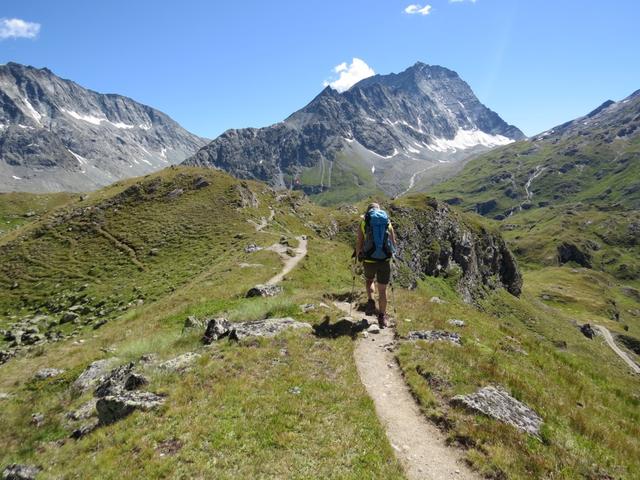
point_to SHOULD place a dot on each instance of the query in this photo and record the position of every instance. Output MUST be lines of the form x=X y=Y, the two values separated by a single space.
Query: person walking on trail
x=375 y=246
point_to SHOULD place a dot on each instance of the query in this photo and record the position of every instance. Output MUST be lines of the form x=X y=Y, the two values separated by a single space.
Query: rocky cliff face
x=434 y=240
x=397 y=126
x=58 y=136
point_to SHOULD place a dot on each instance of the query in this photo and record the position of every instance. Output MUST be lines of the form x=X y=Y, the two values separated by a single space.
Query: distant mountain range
x=56 y=135
x=382 y=134
x=594 y=159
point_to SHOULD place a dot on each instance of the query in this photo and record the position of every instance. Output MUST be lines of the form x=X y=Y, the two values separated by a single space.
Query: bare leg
x=370 y=288
x=382 y=298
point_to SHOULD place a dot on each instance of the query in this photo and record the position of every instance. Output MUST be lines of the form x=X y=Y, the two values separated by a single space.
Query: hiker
x=375 y=246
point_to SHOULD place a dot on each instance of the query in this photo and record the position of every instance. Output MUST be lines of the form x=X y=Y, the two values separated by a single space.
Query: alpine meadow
x=300 y=272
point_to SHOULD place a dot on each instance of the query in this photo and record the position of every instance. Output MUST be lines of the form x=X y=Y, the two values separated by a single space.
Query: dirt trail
x=621 y=353
x=289 y=262
x=418 y=444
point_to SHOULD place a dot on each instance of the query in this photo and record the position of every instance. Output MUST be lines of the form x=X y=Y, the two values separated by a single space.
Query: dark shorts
x=381 y=271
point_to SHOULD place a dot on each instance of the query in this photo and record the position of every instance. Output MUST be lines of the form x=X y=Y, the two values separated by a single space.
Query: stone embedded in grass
x=68 y=317
x=269 y=327
x=83 y=412
x=175 y=193
x=5 y=396
x=434 y=336
x=216 y=329
x=266 y=290
x=115 y=407
x=37 y=419
x=497 y=403
x=94 y=374
x=86 y=429
x=437 y=300
x=251 y=248
x=307 y=307
x=200 y=182
x=179 y=363
x=120 y=379
x=16 y=471
x=456 y=323
x=48 y=373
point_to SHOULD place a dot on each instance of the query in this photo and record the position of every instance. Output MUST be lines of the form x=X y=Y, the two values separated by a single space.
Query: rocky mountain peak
x=396 y=126
x=57 y=135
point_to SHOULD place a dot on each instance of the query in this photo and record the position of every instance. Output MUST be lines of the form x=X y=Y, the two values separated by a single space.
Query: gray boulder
x=120 y=379
x=266 y=290
x=497 y=403
x=20 y=472
x=456 y=323
x=435 y=336
x=94 y=374
x=269 y=327
x=68 y=317
x=115 y=407
x=216 y=329
x=179 y=363
x=83 y=412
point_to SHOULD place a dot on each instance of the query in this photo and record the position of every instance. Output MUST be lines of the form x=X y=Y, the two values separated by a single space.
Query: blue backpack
x=377 y=244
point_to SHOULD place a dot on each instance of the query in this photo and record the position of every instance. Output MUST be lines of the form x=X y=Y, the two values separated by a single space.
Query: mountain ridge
x=56 y=135
x=394 y=126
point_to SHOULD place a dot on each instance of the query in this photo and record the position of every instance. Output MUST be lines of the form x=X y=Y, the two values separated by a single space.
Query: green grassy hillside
x=144 y=256
x=594 y=160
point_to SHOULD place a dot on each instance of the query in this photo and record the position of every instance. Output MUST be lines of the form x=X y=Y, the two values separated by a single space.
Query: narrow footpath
x=621 y=353
x=418 y=444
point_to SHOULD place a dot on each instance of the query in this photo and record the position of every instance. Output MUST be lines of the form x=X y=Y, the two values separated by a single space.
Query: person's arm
x=392 y=235
x=359 y=242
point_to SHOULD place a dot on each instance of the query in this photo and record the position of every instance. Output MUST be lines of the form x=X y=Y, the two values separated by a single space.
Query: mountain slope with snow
x=58 y=136
x=381 y=132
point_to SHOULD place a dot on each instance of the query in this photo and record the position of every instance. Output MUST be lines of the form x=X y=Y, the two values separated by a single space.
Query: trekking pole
x=353 y=285
x=393 y=290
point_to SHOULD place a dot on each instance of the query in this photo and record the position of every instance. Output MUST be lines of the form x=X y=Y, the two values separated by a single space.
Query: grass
x=582 y=390
x=235 y=414
x=18 y=209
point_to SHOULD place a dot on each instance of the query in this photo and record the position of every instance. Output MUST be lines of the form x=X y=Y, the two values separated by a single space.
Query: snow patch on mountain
x=465 y=139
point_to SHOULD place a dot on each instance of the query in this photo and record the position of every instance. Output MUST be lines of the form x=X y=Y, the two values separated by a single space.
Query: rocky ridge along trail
x=419 y=446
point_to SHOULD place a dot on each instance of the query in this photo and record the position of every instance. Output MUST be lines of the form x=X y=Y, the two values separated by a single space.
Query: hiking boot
x=370 y=308
x=383 y=320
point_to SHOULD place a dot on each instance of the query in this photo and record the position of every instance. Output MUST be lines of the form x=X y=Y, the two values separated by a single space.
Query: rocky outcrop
x=94 y=374
x=218 y=328
x=115 y=407
x=58 y=136
x=569 y=252
x=434 y=240
x=267 y=290
x=435 y=336
x=20 y=472
x=497 y=403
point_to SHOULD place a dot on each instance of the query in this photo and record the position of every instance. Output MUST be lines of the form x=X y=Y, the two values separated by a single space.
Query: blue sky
x=214 y=65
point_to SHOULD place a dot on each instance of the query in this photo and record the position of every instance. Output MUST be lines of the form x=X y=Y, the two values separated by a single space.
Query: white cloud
x=414 y=9
x=349 y=75
x=16 y=28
